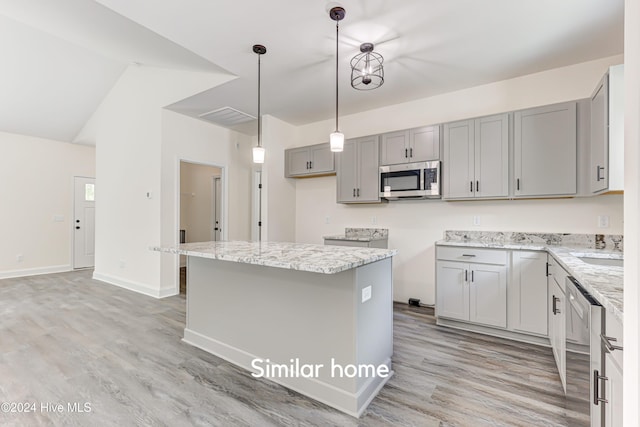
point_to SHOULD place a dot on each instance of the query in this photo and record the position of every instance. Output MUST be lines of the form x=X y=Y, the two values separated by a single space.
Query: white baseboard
x=140 y=288
x=348 y=402
x=35 y=271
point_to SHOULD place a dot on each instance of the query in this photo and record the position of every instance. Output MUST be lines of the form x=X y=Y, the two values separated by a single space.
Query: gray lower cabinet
x=557 y=316
x=358 y=176
x=310 y=160
x=545 y=151
x=476 y=158
x=527 y=290
x=473 y=292
x=409 y=146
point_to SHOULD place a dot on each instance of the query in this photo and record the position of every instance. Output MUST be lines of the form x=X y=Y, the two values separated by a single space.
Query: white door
x=84 y=222
x=217 y=203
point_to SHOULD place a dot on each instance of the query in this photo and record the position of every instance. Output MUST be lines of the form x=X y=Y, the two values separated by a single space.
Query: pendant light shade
x=336 y=139
x=259 y=152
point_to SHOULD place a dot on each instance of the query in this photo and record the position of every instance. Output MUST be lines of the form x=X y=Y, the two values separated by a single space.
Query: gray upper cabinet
x=408 y=146
x=308 y=161
x=599 y=170
x=606 y=167
x=476 y=158
x=545 y=151
x=358 y=176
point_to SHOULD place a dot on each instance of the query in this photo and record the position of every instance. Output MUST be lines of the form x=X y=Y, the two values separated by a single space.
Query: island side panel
x=374 y=325
x=241 y=311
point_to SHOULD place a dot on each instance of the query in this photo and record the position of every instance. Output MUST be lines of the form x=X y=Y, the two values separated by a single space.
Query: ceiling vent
x=227 y=117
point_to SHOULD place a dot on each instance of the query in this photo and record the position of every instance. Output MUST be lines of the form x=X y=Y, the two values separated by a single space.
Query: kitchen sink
x=612 y=262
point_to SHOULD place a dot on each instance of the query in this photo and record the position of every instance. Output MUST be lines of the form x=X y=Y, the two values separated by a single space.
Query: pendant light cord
x=337 y=35
x=259 y=116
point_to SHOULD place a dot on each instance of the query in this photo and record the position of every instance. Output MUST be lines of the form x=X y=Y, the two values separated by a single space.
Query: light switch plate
x=366 y=293
x=603 y=221
x=476 y=220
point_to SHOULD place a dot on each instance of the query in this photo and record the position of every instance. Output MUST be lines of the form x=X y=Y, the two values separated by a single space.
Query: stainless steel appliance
x=410 y=181
x=584 y=323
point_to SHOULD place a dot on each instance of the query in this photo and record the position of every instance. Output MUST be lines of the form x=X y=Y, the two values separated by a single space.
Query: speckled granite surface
x=361 y=234
x=292 y=256
x=605 y=283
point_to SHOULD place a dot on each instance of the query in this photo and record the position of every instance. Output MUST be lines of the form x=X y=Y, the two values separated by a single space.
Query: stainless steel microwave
x=410 y=181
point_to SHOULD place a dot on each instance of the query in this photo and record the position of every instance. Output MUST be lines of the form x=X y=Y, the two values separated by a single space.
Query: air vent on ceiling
x=226 y=116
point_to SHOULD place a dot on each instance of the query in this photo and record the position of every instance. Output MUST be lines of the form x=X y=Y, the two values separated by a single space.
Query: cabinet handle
x=547 y=270
x=354 y=192
x=469 y=255
x=598 y=169
x=358 y=192
x=406 y=153
x=411 y=152
x=471 y=276
x=477 y=186
x=596 y=387
x=607 y=342
x=518 y=184
x=310 y=165
x=466 y=276
x=554 y=307
x=471 y=186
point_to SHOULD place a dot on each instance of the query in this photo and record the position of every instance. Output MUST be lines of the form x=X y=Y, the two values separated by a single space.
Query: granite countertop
x=361 y=234
x=605 y=283
x=291 y=256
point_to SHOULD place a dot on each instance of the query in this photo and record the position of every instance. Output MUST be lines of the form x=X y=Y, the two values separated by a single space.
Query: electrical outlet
x=374 y=220
x=123 y=263
x=603 y=221
x=19 y=258
x=327 y=220
x=476 y=220
x=366 y=293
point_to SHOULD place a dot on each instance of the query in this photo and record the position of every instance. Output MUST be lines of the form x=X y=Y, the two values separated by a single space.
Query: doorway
x=201 y=212
x=84 y=222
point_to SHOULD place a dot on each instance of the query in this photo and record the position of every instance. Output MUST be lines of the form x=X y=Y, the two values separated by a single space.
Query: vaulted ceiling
x=62 y=57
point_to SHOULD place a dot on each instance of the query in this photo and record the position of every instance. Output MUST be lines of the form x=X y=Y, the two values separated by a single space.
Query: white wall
x=414 y=226
x=128 y=166
x=189 y=139
x=278 y=206
x=37 y=184
x=631 y=345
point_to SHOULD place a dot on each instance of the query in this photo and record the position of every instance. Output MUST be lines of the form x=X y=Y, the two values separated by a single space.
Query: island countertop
x=291 y=256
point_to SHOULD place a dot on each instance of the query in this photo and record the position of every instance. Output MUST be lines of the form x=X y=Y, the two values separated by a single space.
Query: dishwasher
x=584 y=322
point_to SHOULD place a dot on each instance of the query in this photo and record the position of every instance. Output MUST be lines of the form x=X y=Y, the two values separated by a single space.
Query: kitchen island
x=316 y=319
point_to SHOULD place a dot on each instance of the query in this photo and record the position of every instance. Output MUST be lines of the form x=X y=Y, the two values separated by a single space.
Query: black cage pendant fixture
x=367 y=72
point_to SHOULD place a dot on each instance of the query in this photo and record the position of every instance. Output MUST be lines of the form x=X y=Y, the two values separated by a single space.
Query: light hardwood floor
x=66 y=338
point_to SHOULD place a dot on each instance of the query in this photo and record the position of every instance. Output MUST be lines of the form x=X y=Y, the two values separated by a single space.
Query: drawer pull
x=469 y=255
x=607 y=343
x=596 y=386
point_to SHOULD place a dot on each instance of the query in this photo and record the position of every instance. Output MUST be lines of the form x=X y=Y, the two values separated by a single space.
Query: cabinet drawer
x=473 y=255
x=613 y=329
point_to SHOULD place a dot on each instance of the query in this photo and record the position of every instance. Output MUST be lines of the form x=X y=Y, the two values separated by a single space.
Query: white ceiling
x=61 y=57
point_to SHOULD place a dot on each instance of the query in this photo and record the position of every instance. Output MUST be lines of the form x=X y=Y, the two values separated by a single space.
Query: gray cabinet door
x=424 y=144
x=527 y=295
x=458 y=165
x=488 y=295
x=297 y=161
x=347 y=169
x=368 y=189
x=452 y=290
x=394 y=148
x=321 y=158
x=545 y=151
x=599 y=170
x=492 y=156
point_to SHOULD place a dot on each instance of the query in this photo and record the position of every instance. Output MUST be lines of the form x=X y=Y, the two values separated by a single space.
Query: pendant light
x=367 y=72
x=258 y=151
x=336 y=139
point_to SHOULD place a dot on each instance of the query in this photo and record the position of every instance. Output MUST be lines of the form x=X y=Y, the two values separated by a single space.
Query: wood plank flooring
x=66 y=338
